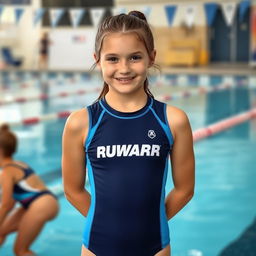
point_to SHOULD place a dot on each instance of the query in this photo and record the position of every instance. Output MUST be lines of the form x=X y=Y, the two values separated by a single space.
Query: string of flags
x=76 y=14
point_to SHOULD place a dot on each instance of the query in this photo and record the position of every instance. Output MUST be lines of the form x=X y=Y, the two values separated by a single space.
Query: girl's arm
x=182 y=161
x=7 y=202
x=73 y=161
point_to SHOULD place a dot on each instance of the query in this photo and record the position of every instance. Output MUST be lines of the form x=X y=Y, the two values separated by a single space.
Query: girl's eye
x=112 y=59
x=135 y=57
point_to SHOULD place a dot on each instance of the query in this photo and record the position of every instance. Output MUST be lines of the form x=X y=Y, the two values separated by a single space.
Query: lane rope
x=163 y=97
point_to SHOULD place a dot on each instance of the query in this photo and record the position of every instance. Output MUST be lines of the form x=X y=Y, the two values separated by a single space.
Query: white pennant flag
x=38 y=15
x=97 y=14
x=229 y=10
x=146 y=10
x=190 y=15
x=55 y=15
x=118 y=10
x=76 y=14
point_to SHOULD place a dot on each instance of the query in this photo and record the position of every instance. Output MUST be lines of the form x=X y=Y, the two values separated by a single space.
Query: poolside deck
x=215 y=68
x=211 y=69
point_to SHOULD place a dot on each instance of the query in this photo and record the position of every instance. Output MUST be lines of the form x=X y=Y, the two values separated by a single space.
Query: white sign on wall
x=71 y=49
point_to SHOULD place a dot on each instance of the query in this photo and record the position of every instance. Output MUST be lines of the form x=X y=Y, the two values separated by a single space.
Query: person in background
x=44 y=51
x=19 y=183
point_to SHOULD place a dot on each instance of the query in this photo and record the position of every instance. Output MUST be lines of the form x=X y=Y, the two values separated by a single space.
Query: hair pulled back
x=134 y=21
x=8 y=140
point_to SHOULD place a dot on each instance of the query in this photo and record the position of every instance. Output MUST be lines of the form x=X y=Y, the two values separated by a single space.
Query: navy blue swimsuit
x=127 y=158
x=22 y=191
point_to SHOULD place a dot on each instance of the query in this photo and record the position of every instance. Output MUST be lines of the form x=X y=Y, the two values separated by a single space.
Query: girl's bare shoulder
x=177 y=119
x=77 y=121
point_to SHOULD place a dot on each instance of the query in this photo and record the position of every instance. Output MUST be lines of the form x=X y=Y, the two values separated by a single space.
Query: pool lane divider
x=224 y=124
x=164 y=97
x=44 y=97
x=198 y=91
x=198 y=135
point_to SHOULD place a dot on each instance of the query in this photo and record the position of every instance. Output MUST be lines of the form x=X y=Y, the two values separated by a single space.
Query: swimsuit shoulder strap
x=27 y=170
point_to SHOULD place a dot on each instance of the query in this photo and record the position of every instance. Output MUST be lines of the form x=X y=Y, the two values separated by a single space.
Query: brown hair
x=8 y=140
x=134 y=21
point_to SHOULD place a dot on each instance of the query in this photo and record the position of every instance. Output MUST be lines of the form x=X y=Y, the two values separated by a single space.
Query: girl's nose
x=124 y=67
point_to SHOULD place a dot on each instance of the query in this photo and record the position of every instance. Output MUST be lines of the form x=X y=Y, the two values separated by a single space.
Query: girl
x=125 y=139
x=19 y=183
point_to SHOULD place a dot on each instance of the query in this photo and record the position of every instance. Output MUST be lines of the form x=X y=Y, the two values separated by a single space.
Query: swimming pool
x=223 y=204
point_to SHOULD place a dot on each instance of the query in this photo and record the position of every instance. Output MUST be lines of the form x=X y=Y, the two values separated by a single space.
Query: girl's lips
x=125 y=80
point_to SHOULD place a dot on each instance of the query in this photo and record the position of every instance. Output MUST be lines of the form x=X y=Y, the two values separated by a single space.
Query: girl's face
x=124 y=62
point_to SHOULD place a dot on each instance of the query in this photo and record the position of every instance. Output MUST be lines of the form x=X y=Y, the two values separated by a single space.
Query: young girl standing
x=125 y=140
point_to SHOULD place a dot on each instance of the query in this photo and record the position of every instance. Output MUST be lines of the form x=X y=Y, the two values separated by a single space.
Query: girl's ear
x=152 y=58
x=95 y=58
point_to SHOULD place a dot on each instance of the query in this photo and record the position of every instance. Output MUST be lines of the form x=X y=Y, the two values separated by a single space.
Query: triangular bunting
x=190 y=15
x=170 y=11
x=1 y=11
x=38 y=15
x=18 y=12
x=76 y=14
x=146 y=10
x=243 y=7
x=55 y=15
x=97 y=14
x=118 y=10
x=210 y=10
x=253 y=37
x=229 y=10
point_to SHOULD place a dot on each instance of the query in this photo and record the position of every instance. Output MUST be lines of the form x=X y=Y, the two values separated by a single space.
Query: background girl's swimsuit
x=22 y=191
x=127 y=157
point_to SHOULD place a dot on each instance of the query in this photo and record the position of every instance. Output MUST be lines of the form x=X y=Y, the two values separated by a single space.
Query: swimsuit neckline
x=126 y=114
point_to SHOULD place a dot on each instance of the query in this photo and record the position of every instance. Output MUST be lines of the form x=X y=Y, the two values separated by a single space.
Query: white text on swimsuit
x=128 y=150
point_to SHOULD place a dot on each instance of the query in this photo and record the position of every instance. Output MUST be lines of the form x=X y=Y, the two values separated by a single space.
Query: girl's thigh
x=43 y=209
x=164 y=252
x=86 y=252
x=12 y=221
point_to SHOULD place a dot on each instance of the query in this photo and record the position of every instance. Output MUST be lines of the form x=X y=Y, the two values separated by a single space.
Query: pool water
x=224 y=201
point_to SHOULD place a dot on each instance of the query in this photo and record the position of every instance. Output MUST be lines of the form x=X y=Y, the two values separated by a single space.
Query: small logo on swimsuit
x=151 y=134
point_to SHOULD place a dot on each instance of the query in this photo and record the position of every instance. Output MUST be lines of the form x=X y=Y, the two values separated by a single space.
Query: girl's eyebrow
x=115 y=54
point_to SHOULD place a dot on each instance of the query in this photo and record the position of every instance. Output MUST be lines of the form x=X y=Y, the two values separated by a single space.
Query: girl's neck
x=126 y=102
x=6 y=161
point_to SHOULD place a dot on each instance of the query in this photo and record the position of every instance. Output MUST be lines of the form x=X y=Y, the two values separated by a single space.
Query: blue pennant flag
x=243 y=7
x=1 y=10
x=38 y=15
x=211 y=10
x=76 y=15
x=55 y=15
x=170 y=11
x=18 y=14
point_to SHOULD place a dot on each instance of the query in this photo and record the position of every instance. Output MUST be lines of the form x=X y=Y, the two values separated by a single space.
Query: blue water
x=224 y=201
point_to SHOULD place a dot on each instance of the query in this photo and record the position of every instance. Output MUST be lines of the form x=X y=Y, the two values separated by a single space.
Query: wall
x=22 y=38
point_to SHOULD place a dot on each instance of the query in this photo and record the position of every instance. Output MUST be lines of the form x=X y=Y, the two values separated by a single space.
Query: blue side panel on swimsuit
x=24 y=195
x=164 y=224
x=127 y=157
x=90 y=214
